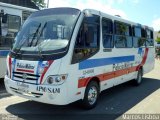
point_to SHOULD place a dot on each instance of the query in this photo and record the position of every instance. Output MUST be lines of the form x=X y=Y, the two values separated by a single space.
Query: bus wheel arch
x=138 y=79
x=140 y=67
x=94 y=79
x=91 y=93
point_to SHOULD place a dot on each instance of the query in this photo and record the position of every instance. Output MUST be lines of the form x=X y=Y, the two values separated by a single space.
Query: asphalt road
x=113 y=103
x=3 y=92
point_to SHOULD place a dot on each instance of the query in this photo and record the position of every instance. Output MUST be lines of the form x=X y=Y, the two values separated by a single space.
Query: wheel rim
x=92 y=95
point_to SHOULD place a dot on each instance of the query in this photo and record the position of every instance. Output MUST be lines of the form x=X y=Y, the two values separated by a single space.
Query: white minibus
x=62 y=55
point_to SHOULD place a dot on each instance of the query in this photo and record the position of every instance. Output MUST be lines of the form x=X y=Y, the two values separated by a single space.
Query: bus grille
x=29 y=78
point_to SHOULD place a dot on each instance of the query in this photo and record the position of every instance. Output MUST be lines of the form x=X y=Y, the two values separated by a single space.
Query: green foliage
x=158 y=40
x=39 y=3
x=141 y=41
x=122 y=28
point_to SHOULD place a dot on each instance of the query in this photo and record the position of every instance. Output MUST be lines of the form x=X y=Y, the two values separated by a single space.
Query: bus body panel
x=33 y=70
x=2 y=71
x=111 y=68
x=73 y=92
x=12 y=11
x=38 y=93
x=150 y=62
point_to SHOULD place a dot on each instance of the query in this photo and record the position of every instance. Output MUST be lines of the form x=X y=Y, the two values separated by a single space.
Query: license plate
x=22 y=87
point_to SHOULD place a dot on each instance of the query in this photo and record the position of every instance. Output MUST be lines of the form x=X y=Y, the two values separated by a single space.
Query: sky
x=146 y=12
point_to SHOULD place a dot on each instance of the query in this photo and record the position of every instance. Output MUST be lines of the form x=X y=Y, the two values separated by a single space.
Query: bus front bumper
x=42 y=93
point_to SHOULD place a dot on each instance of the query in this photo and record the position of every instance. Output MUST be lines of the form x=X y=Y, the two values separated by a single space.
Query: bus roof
x=116 y=18
x=99 y=13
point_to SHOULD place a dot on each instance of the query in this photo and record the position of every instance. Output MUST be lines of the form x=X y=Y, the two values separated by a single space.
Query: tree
x=39 y=3
x=158 y=40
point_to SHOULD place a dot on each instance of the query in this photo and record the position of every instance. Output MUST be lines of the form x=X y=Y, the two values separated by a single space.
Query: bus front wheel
x=91 y=95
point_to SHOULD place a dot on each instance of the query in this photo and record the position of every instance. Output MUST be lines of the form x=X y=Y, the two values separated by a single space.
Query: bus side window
x=138 y=37
x=10 y=27
x=4 y=18
x=149 y=41
x=107 y=33
x=143 y=38
x=123 y=35
x=87 y=42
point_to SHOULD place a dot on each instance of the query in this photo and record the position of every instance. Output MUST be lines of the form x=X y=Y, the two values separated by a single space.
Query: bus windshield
x=47 y=32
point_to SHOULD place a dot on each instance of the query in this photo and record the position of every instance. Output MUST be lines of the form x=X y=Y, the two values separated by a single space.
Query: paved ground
x=113 y=102
x=151 y=103
x=3 y=92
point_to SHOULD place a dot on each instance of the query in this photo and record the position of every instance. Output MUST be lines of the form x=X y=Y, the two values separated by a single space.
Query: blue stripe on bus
x=13 y=67
x=4 y=52
x=91 y=63
x=37 y=71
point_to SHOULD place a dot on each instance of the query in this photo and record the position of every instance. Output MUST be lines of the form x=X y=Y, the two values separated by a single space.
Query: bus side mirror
x=4 y=18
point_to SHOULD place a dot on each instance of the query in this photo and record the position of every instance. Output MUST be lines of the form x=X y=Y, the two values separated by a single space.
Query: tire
x=139 y=78
x=91 y=95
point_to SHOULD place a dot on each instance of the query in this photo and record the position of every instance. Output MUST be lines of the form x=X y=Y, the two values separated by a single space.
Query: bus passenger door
x=85 y=49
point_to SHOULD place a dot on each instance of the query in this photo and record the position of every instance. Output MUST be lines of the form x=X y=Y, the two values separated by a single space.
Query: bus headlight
x=56 y=79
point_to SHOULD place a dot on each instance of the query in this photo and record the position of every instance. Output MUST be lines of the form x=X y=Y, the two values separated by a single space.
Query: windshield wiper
x=41 y=33
x=38 y=45
x=18 y=50
x=35 y=35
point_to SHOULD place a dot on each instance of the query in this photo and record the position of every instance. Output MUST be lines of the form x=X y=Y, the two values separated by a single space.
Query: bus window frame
x=7 y=22
x=98 y=41
x=112 y=34
x=150 y=38
x=130 y=32
x=16 y=16
x=134 y=26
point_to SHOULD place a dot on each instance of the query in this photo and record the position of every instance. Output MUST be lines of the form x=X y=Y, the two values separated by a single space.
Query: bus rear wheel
x=138 y=80
x=91 y=95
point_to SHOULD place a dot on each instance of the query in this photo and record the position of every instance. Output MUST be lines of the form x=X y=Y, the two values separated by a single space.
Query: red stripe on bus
x=106 y=76
x=83 y=82
x=145 y=56
x=110 y=75
x=22 y=70
x=45 y=70
x=10 y=65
